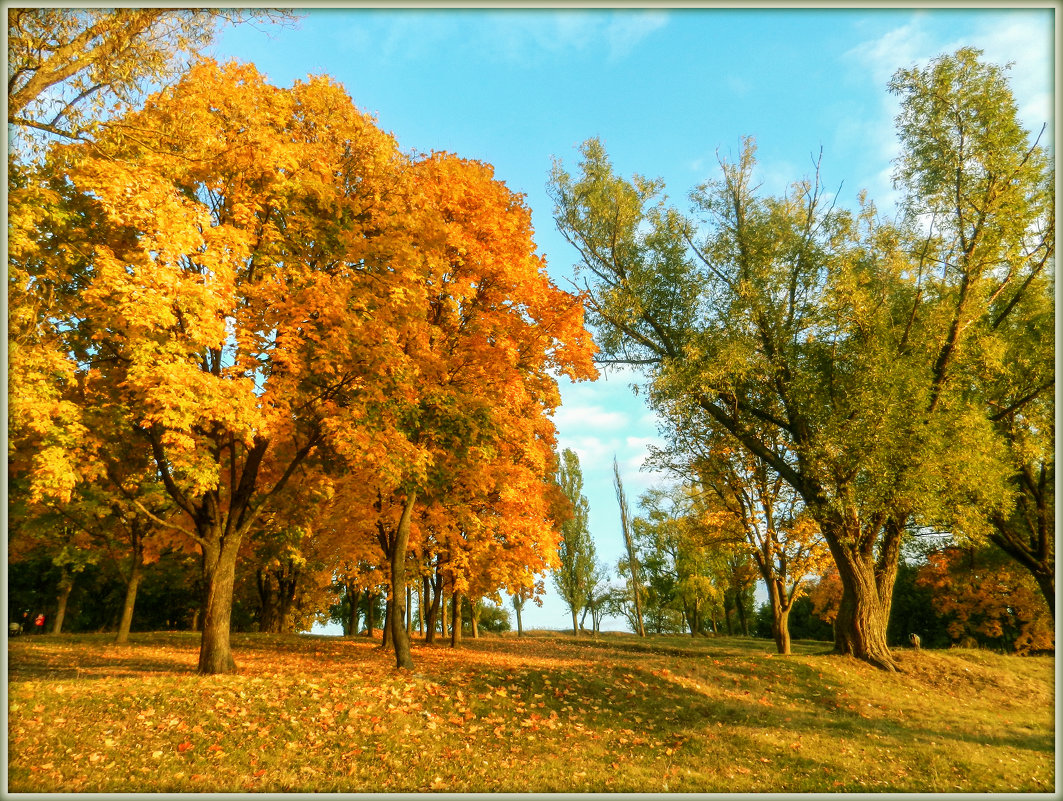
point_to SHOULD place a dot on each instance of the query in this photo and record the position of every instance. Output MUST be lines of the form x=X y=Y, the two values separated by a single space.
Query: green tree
x=983 y=189
x=576 y=550
x=821 y=340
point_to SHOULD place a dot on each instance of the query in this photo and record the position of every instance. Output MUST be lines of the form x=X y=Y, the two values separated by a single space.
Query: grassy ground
x=539 y=714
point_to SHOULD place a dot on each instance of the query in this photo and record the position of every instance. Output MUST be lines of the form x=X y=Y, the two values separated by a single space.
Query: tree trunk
x=741 y=614
x=370 y=613
x=433 y=588
x=287 y=585
x=780 y=616
x=474 y=618
x=442 y=614
x=455 y=619
x=136 y=565
x=399 y=622
x=520 y=625
x=267 y=597
x=420 y=608
x=354 y=600
x=1046 y=580
x=66 y=586
x=860 y=627
x=131 y=586
x=409 y=612
x=386 y=628
x=215 y=653
x=575 y=625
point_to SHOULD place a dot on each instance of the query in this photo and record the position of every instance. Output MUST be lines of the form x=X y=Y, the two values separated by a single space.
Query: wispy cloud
x=1024 y=39
x=626 y=29
x=502 y=36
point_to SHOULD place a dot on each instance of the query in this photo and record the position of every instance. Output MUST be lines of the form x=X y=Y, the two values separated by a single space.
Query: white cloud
x=1024 y=38
x=515 y=36
x=572 y=417
x=1027 y=41
x=627 y=28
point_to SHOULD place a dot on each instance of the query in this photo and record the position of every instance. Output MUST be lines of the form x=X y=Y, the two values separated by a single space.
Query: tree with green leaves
x=985 y=193
x=832 y=345
x=576 y=550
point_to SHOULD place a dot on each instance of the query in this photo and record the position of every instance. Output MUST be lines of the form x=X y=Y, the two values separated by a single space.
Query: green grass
x=545 y=713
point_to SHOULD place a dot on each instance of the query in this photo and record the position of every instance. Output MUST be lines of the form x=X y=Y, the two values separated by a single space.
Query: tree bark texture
x=399 y=623
x=215 y=653
x=860 y=628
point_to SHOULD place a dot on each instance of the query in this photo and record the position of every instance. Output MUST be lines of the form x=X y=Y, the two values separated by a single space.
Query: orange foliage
x=985 y=593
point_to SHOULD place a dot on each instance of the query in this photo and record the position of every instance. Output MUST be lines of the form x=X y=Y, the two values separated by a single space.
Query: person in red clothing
x=38 y=624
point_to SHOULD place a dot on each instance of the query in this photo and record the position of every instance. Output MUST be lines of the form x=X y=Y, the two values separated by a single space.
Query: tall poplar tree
x=635 y=574
x=575 y=575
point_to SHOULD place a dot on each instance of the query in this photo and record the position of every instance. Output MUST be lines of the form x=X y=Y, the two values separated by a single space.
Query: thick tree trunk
x=455 y=620
x=860 y=628
x=575 y=625
x=287 y=587
x=268 y=614
x=520 y=625
x=215 y=653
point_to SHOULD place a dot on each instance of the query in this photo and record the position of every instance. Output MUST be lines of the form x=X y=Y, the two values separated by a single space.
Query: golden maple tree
x=253 y=283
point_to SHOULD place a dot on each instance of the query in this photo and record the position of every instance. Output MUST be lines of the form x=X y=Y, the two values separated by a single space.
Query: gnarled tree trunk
x=860 y=627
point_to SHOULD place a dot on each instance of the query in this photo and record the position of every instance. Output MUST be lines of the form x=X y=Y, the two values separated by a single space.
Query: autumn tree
x=841 y=336
x=576 y=549
x=228 y=313
x=768 y=516
x=988 y=597
x=486 y=331
x=69 y=68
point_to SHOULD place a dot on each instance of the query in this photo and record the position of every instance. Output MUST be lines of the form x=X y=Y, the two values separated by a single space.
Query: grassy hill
x=543 y=713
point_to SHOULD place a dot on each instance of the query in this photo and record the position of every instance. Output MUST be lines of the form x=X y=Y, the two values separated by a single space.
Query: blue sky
x=666 y=90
